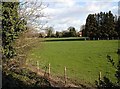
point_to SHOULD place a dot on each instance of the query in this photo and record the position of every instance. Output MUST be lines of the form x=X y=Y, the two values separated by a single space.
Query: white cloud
x=65 y=13
x=67 y=2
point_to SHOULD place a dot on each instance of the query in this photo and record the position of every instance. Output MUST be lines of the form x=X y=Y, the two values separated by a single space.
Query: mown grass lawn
x=83 y=59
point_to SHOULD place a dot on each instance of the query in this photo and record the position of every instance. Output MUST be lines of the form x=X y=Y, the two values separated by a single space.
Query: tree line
x=102 y=26
x=70 y=32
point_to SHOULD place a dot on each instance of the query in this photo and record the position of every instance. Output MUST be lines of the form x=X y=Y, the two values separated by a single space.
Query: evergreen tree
x=90 y=27
x=111 y=25
x=117 y=26
x=101 y=25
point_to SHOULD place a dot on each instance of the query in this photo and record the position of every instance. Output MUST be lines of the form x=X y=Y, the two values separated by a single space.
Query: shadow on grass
x=64 y=39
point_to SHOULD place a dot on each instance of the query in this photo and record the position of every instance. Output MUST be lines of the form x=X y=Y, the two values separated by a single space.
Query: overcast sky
x=65 y=13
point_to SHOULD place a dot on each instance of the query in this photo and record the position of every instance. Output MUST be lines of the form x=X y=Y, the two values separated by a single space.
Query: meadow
x=83 y=59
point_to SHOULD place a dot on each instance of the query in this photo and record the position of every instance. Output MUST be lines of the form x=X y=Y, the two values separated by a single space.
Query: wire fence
x=48 y=71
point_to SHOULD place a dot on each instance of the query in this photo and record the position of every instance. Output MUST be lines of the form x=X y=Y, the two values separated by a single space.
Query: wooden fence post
x=100 y=77
x=45 y=71
x=38 y=66
x=65 y=76
x=49 y=71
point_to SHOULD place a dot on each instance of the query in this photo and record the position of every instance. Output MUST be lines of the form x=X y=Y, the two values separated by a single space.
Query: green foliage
x=12 y=25
x=105 y=83
x=118 y=68
x=117 y=26
x=117 y=74
x=90 y=27
x=101 y=25
x=65 y=34
x=72 y=32
x=49 y=31
x=57 y=34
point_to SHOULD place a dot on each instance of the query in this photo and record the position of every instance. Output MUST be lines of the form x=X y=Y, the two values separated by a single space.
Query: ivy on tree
x=11 y=27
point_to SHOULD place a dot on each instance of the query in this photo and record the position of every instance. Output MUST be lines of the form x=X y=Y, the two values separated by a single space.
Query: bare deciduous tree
x=33 y=13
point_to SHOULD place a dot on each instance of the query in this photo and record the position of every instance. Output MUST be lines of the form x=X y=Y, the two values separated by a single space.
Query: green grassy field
x=83 y=59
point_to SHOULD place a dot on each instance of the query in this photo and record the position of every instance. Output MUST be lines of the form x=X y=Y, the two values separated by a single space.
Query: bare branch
x=32 y=12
